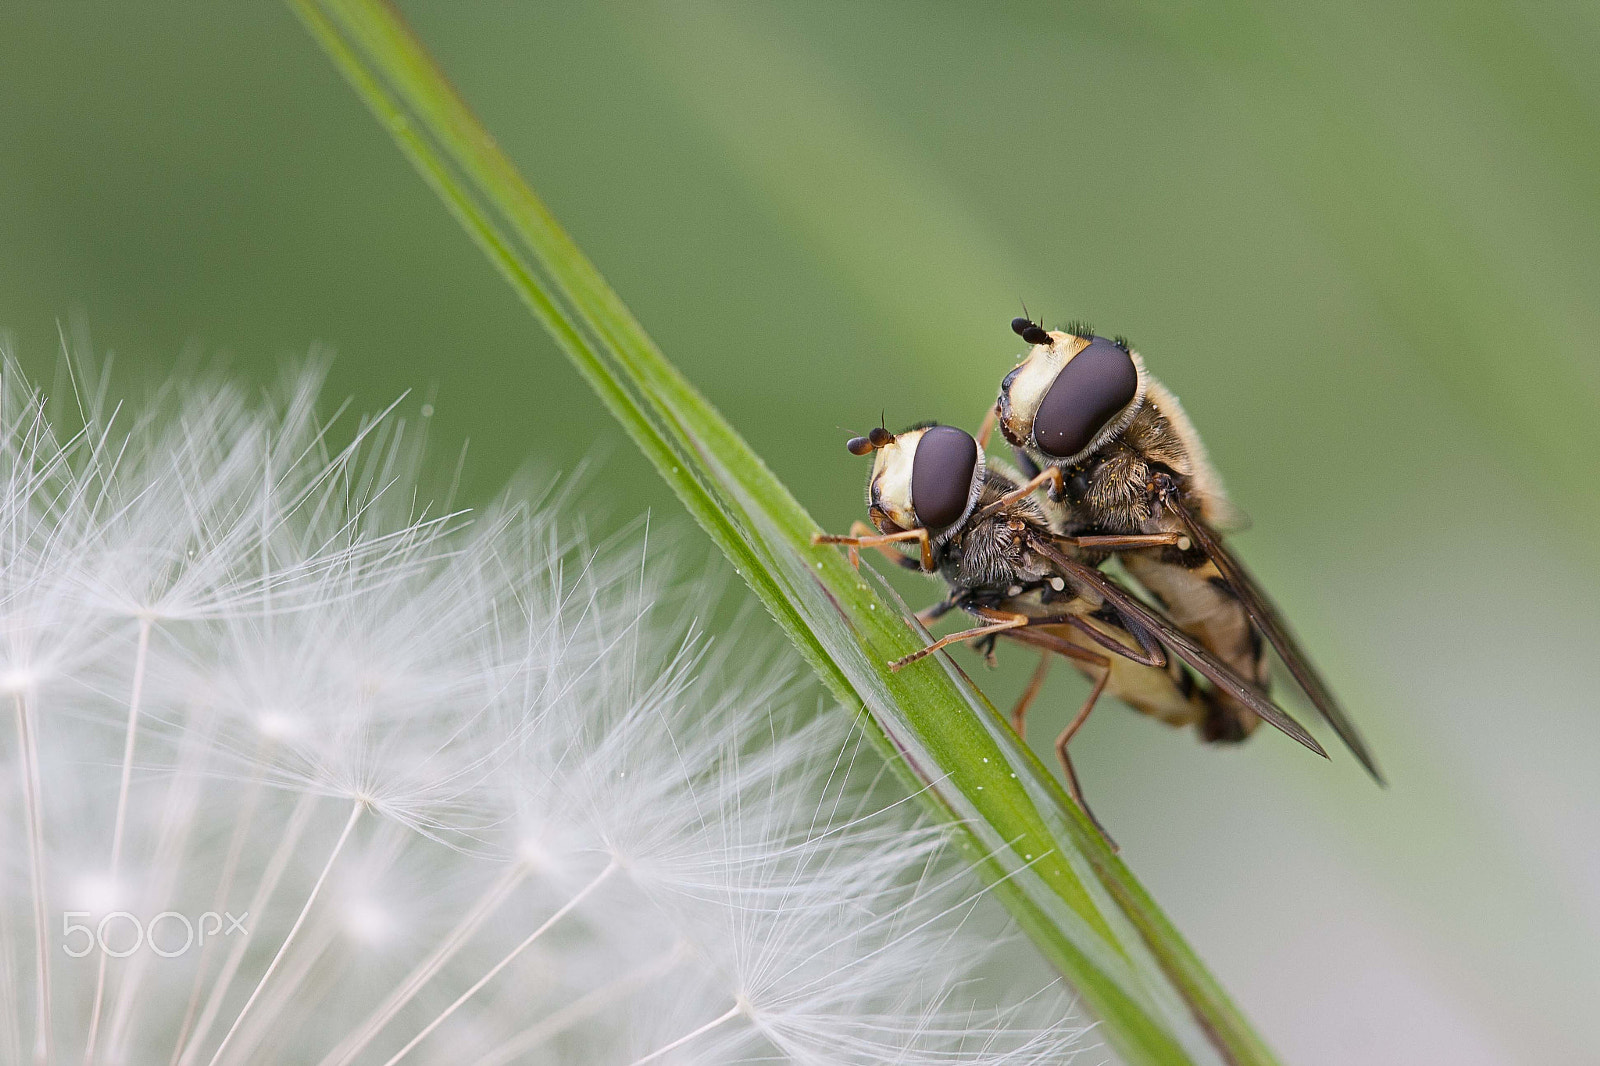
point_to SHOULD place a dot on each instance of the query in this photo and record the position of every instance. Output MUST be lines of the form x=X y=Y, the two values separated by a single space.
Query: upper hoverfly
x=1116 y=449
x=932 y=493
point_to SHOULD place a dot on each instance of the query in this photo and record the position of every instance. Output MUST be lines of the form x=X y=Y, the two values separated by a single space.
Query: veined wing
x=1183 y=645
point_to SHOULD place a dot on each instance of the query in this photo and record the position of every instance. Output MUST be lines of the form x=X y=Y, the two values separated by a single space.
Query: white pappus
x=297 y=768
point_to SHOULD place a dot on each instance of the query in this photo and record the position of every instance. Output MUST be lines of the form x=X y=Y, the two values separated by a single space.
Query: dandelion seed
x=423 y=789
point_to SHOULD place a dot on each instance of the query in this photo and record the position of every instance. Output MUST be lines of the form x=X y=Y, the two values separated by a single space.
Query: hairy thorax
x=992 y=552
x=1110 y=491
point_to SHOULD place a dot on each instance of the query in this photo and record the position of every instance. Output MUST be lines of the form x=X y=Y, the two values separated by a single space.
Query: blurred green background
x=1362 y=242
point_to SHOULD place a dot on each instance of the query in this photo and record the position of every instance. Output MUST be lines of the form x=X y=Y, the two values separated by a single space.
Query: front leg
x=1050 y=475
x=878 y=540
x=859 y=529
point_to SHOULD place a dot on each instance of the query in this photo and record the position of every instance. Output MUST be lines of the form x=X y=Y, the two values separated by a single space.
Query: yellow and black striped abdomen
x=1201 y=603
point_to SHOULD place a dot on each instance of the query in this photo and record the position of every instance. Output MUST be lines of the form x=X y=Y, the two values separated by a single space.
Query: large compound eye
x=1099 y=381
x=941 y=475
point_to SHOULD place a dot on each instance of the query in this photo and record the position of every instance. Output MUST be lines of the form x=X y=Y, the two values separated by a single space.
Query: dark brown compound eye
x=1099 y=382
x=941 y=475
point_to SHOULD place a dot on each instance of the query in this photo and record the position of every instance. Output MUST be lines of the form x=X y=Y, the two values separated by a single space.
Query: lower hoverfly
x=1115 y=446
x=933 y=495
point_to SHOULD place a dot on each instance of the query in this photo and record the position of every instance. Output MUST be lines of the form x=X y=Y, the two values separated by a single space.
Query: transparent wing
x=1181 y=644
x=1277 y=632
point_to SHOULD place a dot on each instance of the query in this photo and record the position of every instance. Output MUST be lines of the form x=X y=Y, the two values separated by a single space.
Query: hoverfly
x=1116 y=448
x=932 y=494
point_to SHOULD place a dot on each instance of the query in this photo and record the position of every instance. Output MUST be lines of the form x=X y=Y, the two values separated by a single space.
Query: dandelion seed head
x=473 y=786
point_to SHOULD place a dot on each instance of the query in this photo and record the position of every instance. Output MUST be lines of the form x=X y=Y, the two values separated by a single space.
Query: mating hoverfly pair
x=1109 y=466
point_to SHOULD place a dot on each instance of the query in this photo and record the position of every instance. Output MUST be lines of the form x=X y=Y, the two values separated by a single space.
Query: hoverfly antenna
x=880 y=438
x=858 y=445
x=1029 y=330
x=1020 y=324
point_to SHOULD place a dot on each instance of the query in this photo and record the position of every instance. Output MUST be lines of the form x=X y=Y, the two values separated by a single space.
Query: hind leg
x=1066 y=760
x=1019 y=713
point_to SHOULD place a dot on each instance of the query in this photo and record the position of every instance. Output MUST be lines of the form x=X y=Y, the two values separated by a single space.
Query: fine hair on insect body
x=1004 y=557
x=1114 y=446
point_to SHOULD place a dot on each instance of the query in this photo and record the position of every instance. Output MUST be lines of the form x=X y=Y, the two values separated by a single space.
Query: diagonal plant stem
x=1045 y=861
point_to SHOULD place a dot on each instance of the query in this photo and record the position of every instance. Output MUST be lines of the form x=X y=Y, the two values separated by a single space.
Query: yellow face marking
x=891 y=478
x=1034 y=376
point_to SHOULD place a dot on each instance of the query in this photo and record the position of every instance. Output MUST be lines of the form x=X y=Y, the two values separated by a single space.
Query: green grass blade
x=1068 y=892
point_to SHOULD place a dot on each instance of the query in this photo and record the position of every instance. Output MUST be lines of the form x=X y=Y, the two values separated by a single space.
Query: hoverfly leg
x=1050 y=475
x=859 y=529
x=1066 y=760
x=1011 y=622
x=1019 y=713
x=878 y=540
x=1178 y=642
